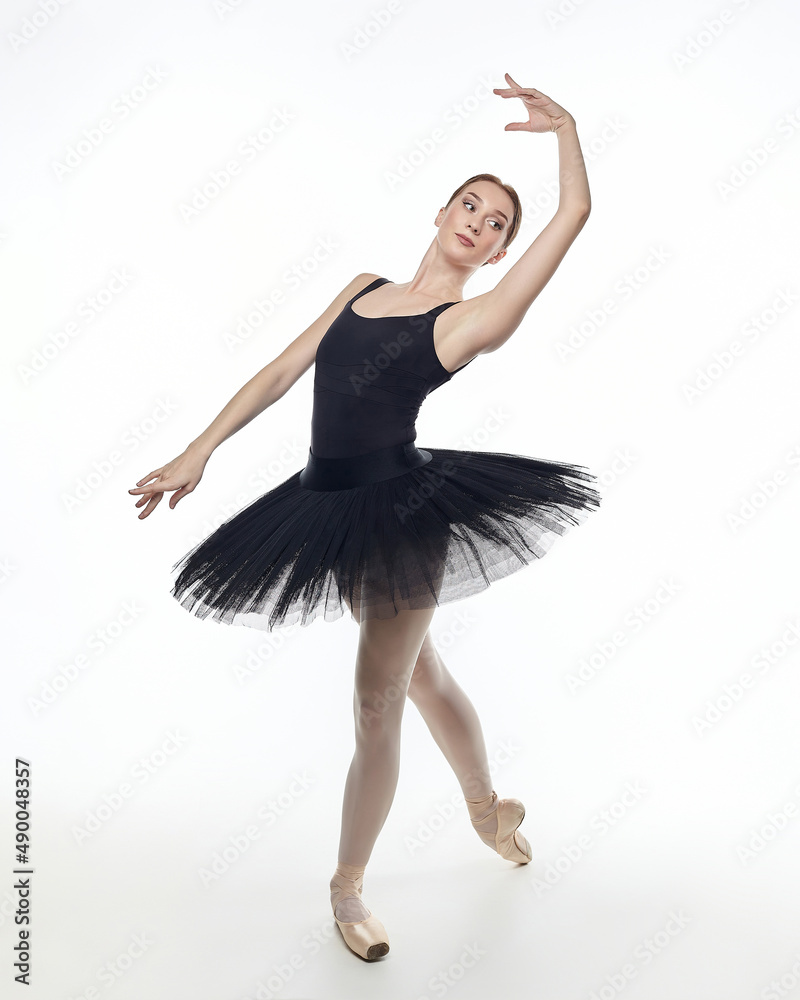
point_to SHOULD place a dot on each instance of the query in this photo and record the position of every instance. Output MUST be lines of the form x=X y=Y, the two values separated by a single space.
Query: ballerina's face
x=475 y=224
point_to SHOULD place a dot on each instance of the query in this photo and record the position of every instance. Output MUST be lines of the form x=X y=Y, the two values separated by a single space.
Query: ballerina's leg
x=387 y=654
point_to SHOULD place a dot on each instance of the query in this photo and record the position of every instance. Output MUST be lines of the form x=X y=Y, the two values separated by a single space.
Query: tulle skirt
x=434 y=534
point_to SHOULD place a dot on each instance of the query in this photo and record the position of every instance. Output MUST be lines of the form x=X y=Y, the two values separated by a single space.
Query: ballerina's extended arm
x=490 y=319
x=266 y=387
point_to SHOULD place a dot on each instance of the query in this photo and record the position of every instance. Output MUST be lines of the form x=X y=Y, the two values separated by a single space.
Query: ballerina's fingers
x=152 y=494
x=523 y=92
x=150 y=475
x=515 y=90
x=151 y=501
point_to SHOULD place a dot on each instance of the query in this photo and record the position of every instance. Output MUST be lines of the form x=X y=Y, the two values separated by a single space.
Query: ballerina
x=384 y=529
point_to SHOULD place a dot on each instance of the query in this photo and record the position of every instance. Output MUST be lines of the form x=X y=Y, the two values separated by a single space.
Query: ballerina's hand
x=544 y=115
x=182 y=474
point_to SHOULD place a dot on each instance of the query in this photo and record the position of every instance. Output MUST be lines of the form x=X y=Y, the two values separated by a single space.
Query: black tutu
x=435 y=534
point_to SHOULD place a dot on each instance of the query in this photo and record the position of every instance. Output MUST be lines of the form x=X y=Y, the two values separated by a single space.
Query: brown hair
x=514 y=224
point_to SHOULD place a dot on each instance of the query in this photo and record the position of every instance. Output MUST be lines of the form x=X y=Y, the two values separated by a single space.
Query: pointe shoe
x=367 y=938
x=507 y=840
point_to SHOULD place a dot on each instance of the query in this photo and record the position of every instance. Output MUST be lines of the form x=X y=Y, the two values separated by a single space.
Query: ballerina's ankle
x=483 y=809
x=353 y=877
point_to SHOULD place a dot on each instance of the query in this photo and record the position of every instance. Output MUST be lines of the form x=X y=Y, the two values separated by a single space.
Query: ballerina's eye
x=497 y=224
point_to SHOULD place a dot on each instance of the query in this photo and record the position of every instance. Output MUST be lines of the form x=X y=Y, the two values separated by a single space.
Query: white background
x=689 y=120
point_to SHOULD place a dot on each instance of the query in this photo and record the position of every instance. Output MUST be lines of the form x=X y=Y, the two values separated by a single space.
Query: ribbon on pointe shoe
x=496 y=821
x=482 y=812
x=348 y=880
x=366 y=937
